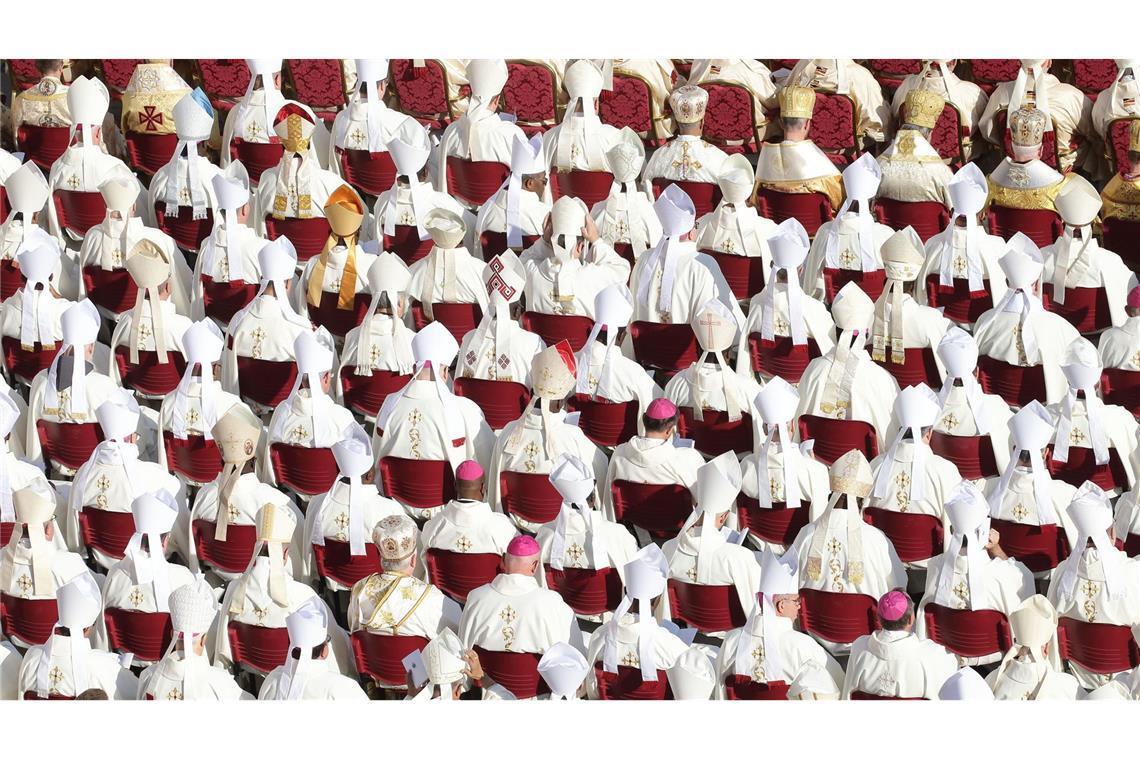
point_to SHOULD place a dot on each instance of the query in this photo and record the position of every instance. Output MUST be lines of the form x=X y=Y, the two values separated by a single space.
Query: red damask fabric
x=422 y=92
x=318 y=82
x=1118 y=138
x=224 y=79
x=529 y=94
x=627 y=105
x=728 y=115
x=833 y=127
x=1091 y=75
x=117 y=71
x=889 y=72
x=987 y=72
x=24 y=72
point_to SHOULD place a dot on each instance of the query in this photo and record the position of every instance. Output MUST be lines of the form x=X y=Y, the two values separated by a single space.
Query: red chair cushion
x=660 y=509
x=968 y=633
x=1092 y=75
x=267 y=383
x=11 y=278
x=604 y=422
x=381 y=658
x=257 y=158
x=628 y=104
x=25 y=365
x=1017 y=385
x=743 y=687
x=589 y=187
x=405 y=242
x=149 y=377
x=308 y=471
x=1086 y=309
x=918 y=367
x=530 y=94
x=716 y=434
x=729 y=117
x=834 y=438
x=530 y=495
x=669 y=348
x=811 y=209
x=222 y=300
x=709 y=609
x=502 y=402
x=781 y=357
x=517 y=672
x=458 y=318
x=928 y=218
x=871 y=283
x=587 y=591
x=366 y=393
x=107 y=531
x=258 y=648
x=553 y=328
x=744 y=274
x=224 y=79
x=422 y=92
x=833 y=127
x=78 y=211
x=704 y=195
x=418 y=483
x=370 y=173
x=68 y=444
x=229 y=556
x=187 y=231
x=113 y=289
x=1081 y=466
x=991 y=71
x=915 y=537
x=776 y=525
x=317 y=82
x=1038 y=547
x=43 y=145
x=1042 y=226
x=494 y=243
x=195 y=458
x=336 y=320
x=973 y=455
x=835 y=617
x=1098 y=647
x=308 y=236
x=146 y=635
x=457 y=574
x=958 y=302
x=1122 y=387
x=335 y=561
x=626 y=684
x=30 y=620
x=149 y=153
x=116 y=72
x=473 y=182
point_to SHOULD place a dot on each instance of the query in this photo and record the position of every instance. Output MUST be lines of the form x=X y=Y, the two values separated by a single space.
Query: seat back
x=107 y=531
x=111 y=289
x=1093 y=75
x=187 y=231
x=1081 y=466
x=517 y=672
x=553 y=328
x=890 y=72
x=604 y=422
x=833 y=127
x=1117 y=132
x=776 y=524
x=834 y=438
x=146 y=635
x=744 y=274
x=30 y=620
x=957 y=301
x=589 y=187
x=811 y=209
x=1117 y=386
x=705 y=195
x=1122 y=236
x=915 y=537
x=928 y=218
x=781 y=357
x=370 y=173
x=316 y=82
x=987 y=73
x=1016 y=385
x=530 y=495
x=23 y=73
x=6 y=532
x=308 y=471
x=743 y=687
x=1131 y=545
x=1086 y=309
x=11 y=278
x=502 y=401
x=418 y=483
x=968 y=633
x=221 y=300
x=336 y=562
x=224 y=79
x=871 y=283
x=267 y=383
x=147 y=153
x=660 y=509
x=627 y=684
x=473 y=182
x=1041 y=225
x=531 y=94
x=422 y=92
x=195 y=459
x=835 y=617
x=366 y=393
x=116 y=73
x=919 y=366
x=25 y=365
x=148 y=377
x=457 y=574
x=628 y=104
x=1038 y=547
x=308 y=236
x=78 y=210
x=716 y=433
x=973 y=455
x=336 y=320
x=493 y=243
x=405 y=242
x=257 y=157
x=257 y=648
x=1098 y=647
x=381 y=658
x=229 y=556
x=458 y=318
x=43 y=145
x=730 y=118
x=669 y=348
x=709 y=609
x=587 y=591
x=68 y=444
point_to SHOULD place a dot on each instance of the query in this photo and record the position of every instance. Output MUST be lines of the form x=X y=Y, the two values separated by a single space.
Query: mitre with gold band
x=923 y=107
x=796 y=102
x=1027 y=127
x=345 y=213
x=294 y=125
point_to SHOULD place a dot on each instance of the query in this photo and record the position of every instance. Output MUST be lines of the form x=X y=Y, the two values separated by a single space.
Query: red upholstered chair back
x=229 y=556
x=1118 y=131
x=1017 y=385
x=1093 y=75
x=625 y=250
x=366 y=393
x=871 y=283
x=744 y=274
x=555 y=327
x=473 y=182
x=78 y=211
x=224 y=80
x=308 y=471
x=626 y=684
x=68 y=444
x=419 y=483
x=517 y=672
x=146 y=635
x=334 y=319
x=381 y=658
x=811 y=209
x=23 y=73
x=927 y=217
x=776 y=525
x=530 y=94
x=890 y=72
x=316 y=82
x=781 y=357
x=918 y=366
x=308 y=236
x=958 y=302
x=457 y=574
x=1081 y=466
x=604 y=422
x=336 y=562
x=458 y=318
x=266 y=382
x=30 y=620
x=150 y=378
x=1038 y=547
x=405 y=242
x=783 y=63
x=587 y=591
x=834 y=438
x=187 y=231
x=968 y=633
x=369 y=173
x=669 y=348
x=743 y=687
x=839 y=618
x=1098 y=647
x=1122 y=236
x=1122 y=387
x=589 y=187
x=116 y=73
x=6 y=532
x=915 y=537
x=530 y=495
x=222 y=300
x=709 y=609
x=31 y=696
x=1086 y=309
x=833 y=127
x=704 y=195
x=730 y=121
x=502 y=401
x=25 y=365
x=257 y=157
x=1131 y=545
x=257 y=648
x=194 y=459
x=716 y=434
x=422 y=92
x=147 y=153
x=494 y=243
x=629 y=104
x=42 y=145
x=5 y=209
x=113 y=290
x=660 y=509
x=973 y=455
x=987 y=73
x=107 y=531
x=946 y=138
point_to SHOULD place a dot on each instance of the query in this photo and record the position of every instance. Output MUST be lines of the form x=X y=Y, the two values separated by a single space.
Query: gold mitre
x=796 y=102
x=1027 y=127
x=923 y=107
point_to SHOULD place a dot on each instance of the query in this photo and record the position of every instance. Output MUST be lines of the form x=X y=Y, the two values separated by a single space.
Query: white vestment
x=990 y=249
x=624 y=218
x=177 y=677
x=967 y=97
x=873 y=392
x=479 y=356
x=798 y=653
x=1070 y=111
x=585 y=277
x=391 y=604
x=913 y=171
x=685 y=158
x=468 y=527
x=651 y=460
x=1091 y=267
x=818 y=324
x=335 y=520
x=124 y=238
x=872 y=114
x=728 y=565
x=486 y=137
x=103 y=672
x=897 y=664
x=997 y=337
x=811 y=475
x=1019 y=504
x=513 y=613
x=321 y=683
x=848 y=250
x=667 y=648
x=533 y=210
x=1119 y=347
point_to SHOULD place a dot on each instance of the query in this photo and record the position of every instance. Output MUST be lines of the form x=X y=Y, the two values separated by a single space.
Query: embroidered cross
x=728 y=245
x=574 y=151
x=184 y=196
x=144 y=333
x=232 y=513
x=508 y=615
x=55 y=675
x=24 y=583
x=407 y=593
x=299 y=434
x=1135 y=360
x=691 y=574
x=959 y=265
x=902 y=490
x=174 y=695
x=117 y=257
x=137 y=597
x=373 y=354
x=253 y=130
x=463 y=544
x=1020 y=512
x=1090 y=589
x=73 y=182
x=781 y=326
x=950 y=421
x=774 y=486
x=531 y=450
x=357 y=136
x=1076 y=436
x=575 y=553
x=709 y=322
x=103 y=482
x=258 y=335
x=407 y=218
x=631 y=660
x=415 y=417
x=685 y=162
x=260 y=614
x=834 y=546
x=192 y=417
x=341 y=523
x=622 y=229
x=848 y=259
x=150 y=118
x=962 y=591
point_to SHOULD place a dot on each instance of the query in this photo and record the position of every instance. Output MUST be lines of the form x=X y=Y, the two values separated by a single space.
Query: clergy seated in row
x=632 y=638
x=308 y=672
x=254 y=116
x=499 y=348
x=27 y=194
x=605 y=372
x=480 y=134
x=686 y=157
x=1119 y=347
x=518 y=209
x=581 y=141
x=795 y=164
x=1098 y=582
x=382 y=341
x=748 y=73
x=185 y=671
x=893 y=661
x=1023 y=180
x=939 y=75
x=366 y=123
x=1118 y=100
x=1018 y=331
x=449 y=273
x=186 y=180
x=309 y=417
x=33 y=315
x=626 y=219
x=467 y=524
x=840 y=553
x=844 y=383
x=115 y=475
x=873 y=121
x=1067 y=109
x=44 y=104
x=1031 y=669
x=913 y=171
x=734 y=227
x=533 y=443
x=229 y=253
x=1121 y=195
x=851 y=242
x=963 y=254
x=974 y=573
x=656 y=456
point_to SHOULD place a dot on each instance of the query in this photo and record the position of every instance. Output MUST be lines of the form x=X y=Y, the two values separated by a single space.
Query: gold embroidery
x=691 y=574
x=902 y=490
x=258 y=335
x=508 y=616
x=575 y=553
x=25 y=583
x=833 y=564
x=463 y=544
x=962 y=591
x=1090 y=589
x=1020 y=512
x=950 y=421
x=631 y=660
x=1076 y=436
x=73 y=182
x=174 y=695
x=685 y=162
x=137 y=597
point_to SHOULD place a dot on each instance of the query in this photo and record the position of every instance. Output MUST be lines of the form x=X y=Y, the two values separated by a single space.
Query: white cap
x=967 y=508
x=572 y=478
x=1078 y=203
x=9 y=414
x=87 y=101
x=38 y=264
x=263 y=66
x=487 y=76
x=191 y=120
x=313 y=357
x=718 y=483
x=959 y=352
x=861 y=178
x=80 y=323
x=1032 y=427
x=443 y=659
x=1034 y=622
x=563 y=668
x=119 y=193
x=193 y=607
x=790 y=244
x=1022 y=263
x=27 y=189
x=231 y=192
x=202 y=342
x=852 y=309
x=777 y=401
x=277 y=260
x=966 y=684
x=916 y=406
x=626 y=157
x=1090 y=511
x=79 y=602
x=715 y=326
x=526 y=156
x=353 y=452
x=1081 y=364
x=778 y=575
x=371 y=69
x=388 y=273
x=969 y=190
x=409 y=148
x=646 y=574
x=154 y=513
x=118 y=415
x=676 y=211
x=583 y=79
x=434 y=344
x=308 y=625
x=613 y=306
x=736 y=179
x=692 y=675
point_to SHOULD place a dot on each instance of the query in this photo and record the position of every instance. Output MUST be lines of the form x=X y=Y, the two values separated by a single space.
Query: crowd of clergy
x=784 y=514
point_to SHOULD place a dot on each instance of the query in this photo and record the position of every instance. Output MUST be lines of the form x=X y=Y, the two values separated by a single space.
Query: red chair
x=811 y=209
x=1038 y=547
x=366 y=393
x=867 y=696
x=668 y=348
x=31 y=696
x=6 y=529
x=1123 y=237
x=777 y=524
x=149 y=378
x=1098 y=647
x=147 y=153
x=958 y=302
x=630 y=104
x=890 y=72
x=660 y=509
x=308 y=236
x=743 y=687
x=704 y=195
x=78 y=211
x=915 y=537
x=744 y=274
x=494 y=243
x=457 y=574
x=928 y=218
x=871 y=283
x=318 y=83
x=146 y=635
x=1081 y=466
x=224 y=79
x=604 y=422
x=107 y=531
x=968 y=633
x=625 y=250
x=30 y=620
x=1040 y=225
x=987 y=73
x=834 y=438
x=833 y=127
x=473 y=182
x=730 y=118
x=973 y=455
x=458 y=318
x=308 y=471
x=918 y=367
x=422 y=92
x=23 y=73
x=838 y=618
x=502 y=401
x=587 y=591
x=529 y=495
x=781 y=357
x=195 y=459
x=68 y=445
x=257 y=158
x=517 y=672
x=1017 y=385
x=381 y=658
x=111 y=289
x=336 y=562
x=257 y=648
x=369 y=173
x=1086 y=309
x=42 y=145
x=716 y=434
x=1131 y=545
x=229 y=556
x=222 y=300
x=590 y=187
x=418 y=483
x=626 y=684
x=266 y=383
x=553 y=328
x=187 y=231
x=531 y=95
x=1119 y=386
x=709 y=609
x=25 y=365
x=334 y=319
x=1118 y=131
x=405 y=242
x=1093 y=75
x=116 y=73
